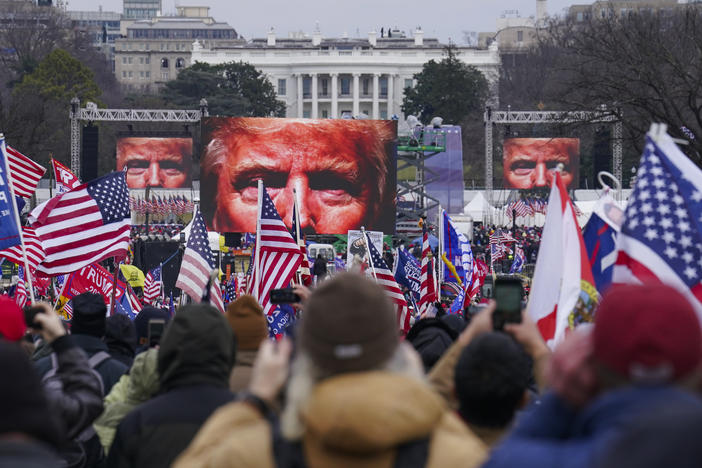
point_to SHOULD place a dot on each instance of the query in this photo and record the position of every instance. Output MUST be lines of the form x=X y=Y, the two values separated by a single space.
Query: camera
x=508 y=294
x=284 y=296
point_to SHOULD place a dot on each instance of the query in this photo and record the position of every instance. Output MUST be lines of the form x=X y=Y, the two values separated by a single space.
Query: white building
x=327 y=78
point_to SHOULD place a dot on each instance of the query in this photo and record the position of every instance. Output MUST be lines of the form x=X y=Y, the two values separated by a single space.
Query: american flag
x=661 y=238
x=304 y=269
x=32 y=244
x=385 y=278
x=280 y=256
x=247 y=284
x=499 y=236
x=498 y=251
x=521 y=208
x=427 y=291
x=25 y=173
x=21 y=289
x=198 y=262
x=88 y=224
x=152 y=285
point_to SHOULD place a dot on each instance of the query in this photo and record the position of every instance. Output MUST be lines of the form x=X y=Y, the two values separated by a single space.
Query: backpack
x=85 y=449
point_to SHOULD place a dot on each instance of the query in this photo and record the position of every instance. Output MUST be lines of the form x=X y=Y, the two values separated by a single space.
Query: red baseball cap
x=647 y=333
x=12 y=326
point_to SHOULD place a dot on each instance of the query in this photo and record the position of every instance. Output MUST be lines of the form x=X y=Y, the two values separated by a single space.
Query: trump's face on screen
x=529 y=162
x=339 y=169
x=155 y=162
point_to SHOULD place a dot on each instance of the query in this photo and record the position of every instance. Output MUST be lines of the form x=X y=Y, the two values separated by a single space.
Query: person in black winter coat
x=431 y=337
x=120 y=338
x=195 y=358
x=87 y=331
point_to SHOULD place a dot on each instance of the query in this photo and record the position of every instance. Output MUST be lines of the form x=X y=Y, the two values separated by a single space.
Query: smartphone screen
x=155 y=331
x=508 y=295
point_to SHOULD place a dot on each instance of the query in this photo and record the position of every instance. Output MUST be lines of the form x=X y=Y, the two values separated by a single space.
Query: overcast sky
x=443 y=19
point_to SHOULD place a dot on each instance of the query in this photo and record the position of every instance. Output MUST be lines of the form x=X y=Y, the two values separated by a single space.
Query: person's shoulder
x=454 y=444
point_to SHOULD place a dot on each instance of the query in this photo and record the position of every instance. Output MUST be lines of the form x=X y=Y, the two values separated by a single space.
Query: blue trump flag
x=518 y=261
x=9 y=228
x=408 y=272
x=600 y=237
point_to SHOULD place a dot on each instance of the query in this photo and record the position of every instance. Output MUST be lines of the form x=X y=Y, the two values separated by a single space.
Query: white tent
x=213 y=237
x=479 y=208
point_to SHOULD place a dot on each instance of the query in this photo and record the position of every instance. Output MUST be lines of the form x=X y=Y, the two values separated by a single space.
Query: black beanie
x=141 y=322
x=23 y=406
x=89 y=312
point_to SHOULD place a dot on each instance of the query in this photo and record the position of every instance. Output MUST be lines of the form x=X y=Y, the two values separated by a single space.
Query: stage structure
x=91 y=113
x=412 y=151
x=510 y=117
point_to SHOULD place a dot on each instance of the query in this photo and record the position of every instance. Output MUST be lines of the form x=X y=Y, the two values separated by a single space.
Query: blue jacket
x=551 y=434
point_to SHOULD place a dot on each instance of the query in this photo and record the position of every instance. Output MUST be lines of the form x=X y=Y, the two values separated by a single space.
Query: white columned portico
x=376 y=96
x=356 y=97
x=315 y=97
x=300 y=96
x=334 y=96
x=391 y=95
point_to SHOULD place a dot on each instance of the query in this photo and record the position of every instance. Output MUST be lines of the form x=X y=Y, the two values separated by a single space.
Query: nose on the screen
x=540 y=179
x=152 y=176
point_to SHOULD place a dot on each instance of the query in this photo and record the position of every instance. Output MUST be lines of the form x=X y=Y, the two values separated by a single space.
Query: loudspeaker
x=232 y=239
x=89 y=156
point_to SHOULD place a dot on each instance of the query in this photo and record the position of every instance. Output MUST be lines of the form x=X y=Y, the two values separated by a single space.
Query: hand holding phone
x=284 y=296
x=508 y=296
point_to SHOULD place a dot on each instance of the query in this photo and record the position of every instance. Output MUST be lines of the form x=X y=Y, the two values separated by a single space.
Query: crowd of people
x=344 y=388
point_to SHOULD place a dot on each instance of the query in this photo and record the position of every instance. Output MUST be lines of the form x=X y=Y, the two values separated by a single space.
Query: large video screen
x=529 y=162
x=156 y=162
x=343 y=172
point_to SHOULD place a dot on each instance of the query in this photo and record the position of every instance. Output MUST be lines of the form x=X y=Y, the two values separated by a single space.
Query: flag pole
x=27 y=273
x=114 y=289
x=296 y=215
x=258 y=240
x=439 y=253
x=370 y=257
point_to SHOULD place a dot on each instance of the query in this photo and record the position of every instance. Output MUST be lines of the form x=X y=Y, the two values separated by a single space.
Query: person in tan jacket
x=355 y=397
x=245 y=315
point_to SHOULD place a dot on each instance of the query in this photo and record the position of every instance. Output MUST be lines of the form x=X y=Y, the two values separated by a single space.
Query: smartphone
x=155 y=331
x=29 y=313
x=284 y=296
x=508 y=296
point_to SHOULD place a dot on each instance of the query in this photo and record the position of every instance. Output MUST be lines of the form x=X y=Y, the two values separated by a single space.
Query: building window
x=282 y=85
x=366 y=85
x=130 y=75
x=148 y=74
x=325 y=87
x=147 y=60
x=124 y=60
x=579 y=16
x=383 y=115
x=520 y=36
x=384 y=86
x=141 y=60
x=408 y=82
x=141 y=74
x=345 y=86
x=305 y=114
x=325 y=114
x=180 y=63
x=306 y=86
x=129 y=60
x=124 y=74
x=164 y=76
x=164 y=62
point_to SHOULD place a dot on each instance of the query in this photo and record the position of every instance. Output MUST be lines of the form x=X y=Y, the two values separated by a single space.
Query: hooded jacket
x=352 y=420
x=194 y=361
x=431 y=337
x=132 y=390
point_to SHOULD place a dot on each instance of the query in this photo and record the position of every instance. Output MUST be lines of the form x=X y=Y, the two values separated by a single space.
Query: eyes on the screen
x=331 y=187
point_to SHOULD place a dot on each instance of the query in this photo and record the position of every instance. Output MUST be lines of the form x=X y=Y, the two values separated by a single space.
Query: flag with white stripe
x=85 y=225
x=197 y=264
x=32 y=244
x=427 y=291
x=383 y=276
x=152 y=285
x=25 y=173
x=279 y=254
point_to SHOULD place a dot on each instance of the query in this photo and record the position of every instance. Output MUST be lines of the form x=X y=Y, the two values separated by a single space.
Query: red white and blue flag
x=563 y=293
x=85 y=225
x=383 y=276
x=21 y=289
x=427 y=291
x=24 y=172
x=197 y=265
x=279 y=255
x=65 y=179
x=304 y=270
x=153 y=285
x=32 y=245
x=661 y=238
